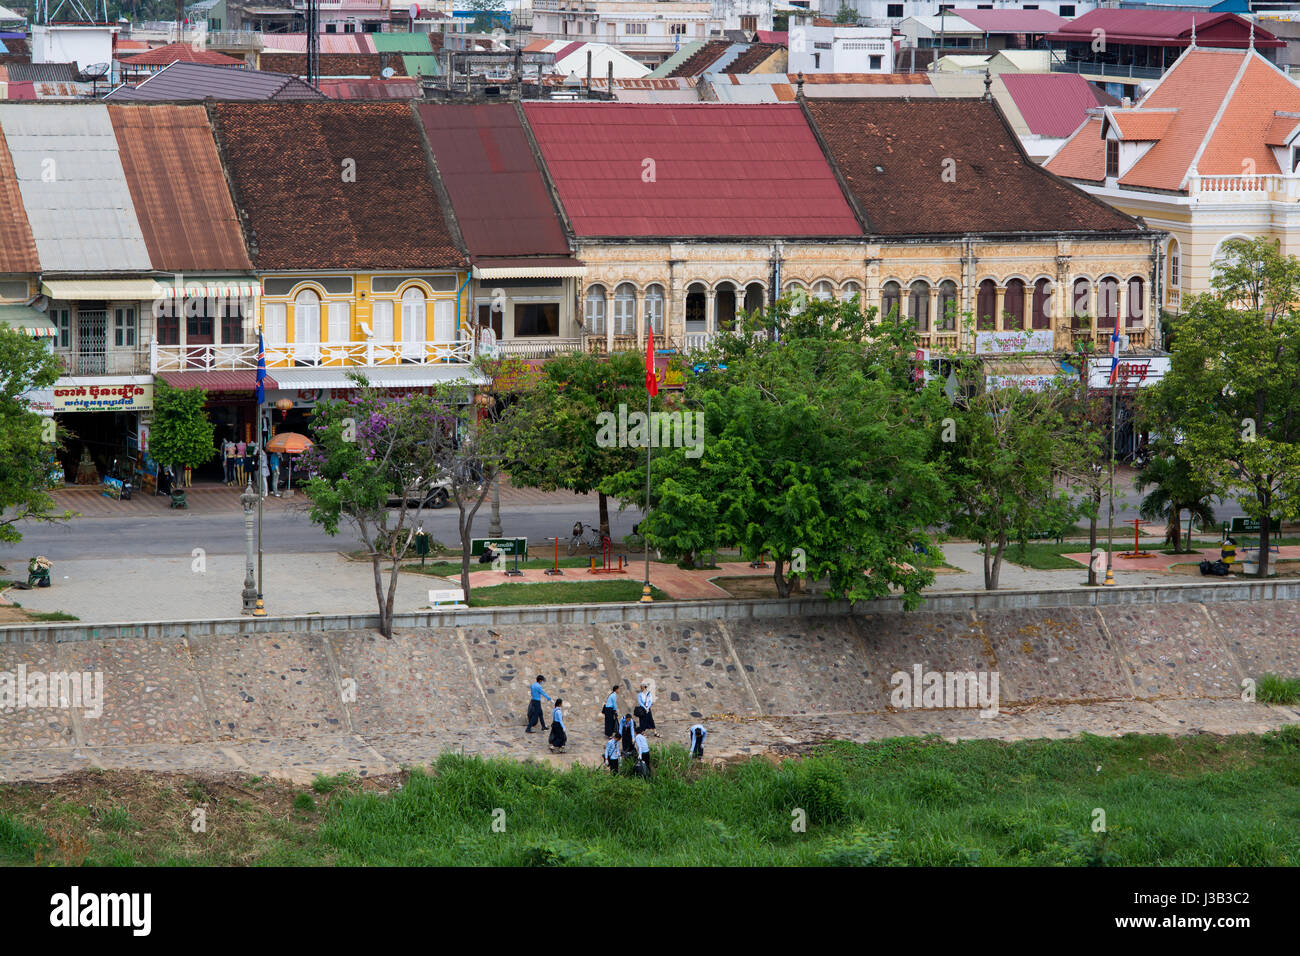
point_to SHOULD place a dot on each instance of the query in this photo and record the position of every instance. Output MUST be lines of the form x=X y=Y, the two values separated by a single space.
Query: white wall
x=877 y=11
x=840 y=49
x=730 y=12
x=72 y=44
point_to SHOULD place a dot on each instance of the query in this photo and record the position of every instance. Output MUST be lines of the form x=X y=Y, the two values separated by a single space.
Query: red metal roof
x=17 y=246
x=1011 y=21
x=396 y=88
x=716 y=170
x=1164 y=28
x=496 y=190
x=1053 y=104
x=241 y=381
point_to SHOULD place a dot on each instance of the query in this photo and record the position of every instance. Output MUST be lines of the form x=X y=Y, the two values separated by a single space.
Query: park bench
x=450 y=598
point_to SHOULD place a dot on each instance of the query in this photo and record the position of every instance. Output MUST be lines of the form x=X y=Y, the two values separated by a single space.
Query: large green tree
x=562 y=447
x=28 y=440
x=180 y=434
x=816 y=449
x=1230 y=402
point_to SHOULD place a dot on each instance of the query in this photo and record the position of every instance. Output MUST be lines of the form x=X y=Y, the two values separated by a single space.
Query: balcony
x=534 y=348
x=1269 y=187
x=1173 y=300
x=241 y=40
x=1110 y=70
x=107 y=362
x=211 y=358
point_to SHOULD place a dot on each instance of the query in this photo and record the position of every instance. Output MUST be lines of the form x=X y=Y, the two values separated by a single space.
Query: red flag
x=651 y=380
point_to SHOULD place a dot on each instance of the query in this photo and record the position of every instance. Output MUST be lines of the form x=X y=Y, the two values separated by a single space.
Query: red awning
x=244 y=380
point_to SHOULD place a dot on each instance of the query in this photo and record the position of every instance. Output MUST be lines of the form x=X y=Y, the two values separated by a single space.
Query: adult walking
x=610 y=710
x=558 y=737
x=612 y=754
x=535 y=704
x=695 y=742
x=645 y=701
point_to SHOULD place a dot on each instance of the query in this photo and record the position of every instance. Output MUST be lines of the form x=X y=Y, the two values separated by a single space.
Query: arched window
x=413 y=324
x=823 y=290
x=696 y=314
x=725 y=304
x=1081 y=306
x=918 y=305
x=1175 y=265
x=1136 y=305
x=594 y=318
x=1042 y=312
x=849 y=290
x=946 y=319
x=1107 y=302
x=654 y=308
x=1013 y=305
x=986 y=306
x=306 y=325
x=755 y=297
x=625 y=309
x=890 y=294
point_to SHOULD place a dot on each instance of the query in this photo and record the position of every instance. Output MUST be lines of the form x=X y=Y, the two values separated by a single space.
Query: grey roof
x=73 y=187
x=42 y=72
x=200 y=81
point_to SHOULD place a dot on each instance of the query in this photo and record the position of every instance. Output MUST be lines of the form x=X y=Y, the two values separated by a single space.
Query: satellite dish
x=96 y=69
x=387 y=72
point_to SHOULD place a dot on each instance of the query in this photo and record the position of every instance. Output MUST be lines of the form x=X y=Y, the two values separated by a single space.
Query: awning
x=23 y=319
x=395 y=376
x=213 y=287
x=244 y=380
x=129 y=289
x=554 y=267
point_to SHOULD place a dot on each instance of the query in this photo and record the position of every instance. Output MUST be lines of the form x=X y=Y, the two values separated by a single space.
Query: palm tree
x=1174 y=489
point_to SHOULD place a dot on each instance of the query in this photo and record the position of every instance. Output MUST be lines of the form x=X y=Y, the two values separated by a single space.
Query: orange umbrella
x=289 y=443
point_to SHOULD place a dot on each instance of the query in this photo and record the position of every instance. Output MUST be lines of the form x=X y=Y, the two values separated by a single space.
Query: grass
x=561 y=592
x=451 y=569
x=1272 y=689
x=1186 y=801
x=52 y=616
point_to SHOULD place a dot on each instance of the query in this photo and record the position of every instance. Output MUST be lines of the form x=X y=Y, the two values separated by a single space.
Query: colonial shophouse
x=1210 y=154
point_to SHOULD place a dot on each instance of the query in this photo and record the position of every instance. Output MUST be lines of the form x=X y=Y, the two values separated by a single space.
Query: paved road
x=287 y=530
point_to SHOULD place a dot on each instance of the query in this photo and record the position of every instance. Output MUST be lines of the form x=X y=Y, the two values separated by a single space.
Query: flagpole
x=260 y=396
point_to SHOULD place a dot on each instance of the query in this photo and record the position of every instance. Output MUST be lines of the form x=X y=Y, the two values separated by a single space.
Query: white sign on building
x=1029 y=383
x=1005 y=343
x=1133 y=372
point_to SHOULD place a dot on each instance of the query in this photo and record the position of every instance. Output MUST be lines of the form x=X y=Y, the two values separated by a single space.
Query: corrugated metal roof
x=236 y=381
x=126 y=289
x=689 y=170
x=329 y=43
x=197 y=81
x=400 y=42
x=1053 y=104
x=1011 y=20
x=74 y=188
x=17 y=248
x=177 y=184
x=380 y=376
x=403 y=88
x=24 y=319
x=496 y=190
x=421 y=65
x=42 y=72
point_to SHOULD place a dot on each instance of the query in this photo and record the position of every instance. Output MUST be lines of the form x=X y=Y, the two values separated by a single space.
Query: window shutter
x=444 y=320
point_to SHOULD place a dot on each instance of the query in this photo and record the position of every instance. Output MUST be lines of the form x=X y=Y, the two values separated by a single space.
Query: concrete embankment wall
x=465 y=685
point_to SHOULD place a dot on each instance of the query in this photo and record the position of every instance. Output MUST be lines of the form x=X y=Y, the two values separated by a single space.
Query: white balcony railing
x=212 y=358
x=1236 y=188
x=540 y=347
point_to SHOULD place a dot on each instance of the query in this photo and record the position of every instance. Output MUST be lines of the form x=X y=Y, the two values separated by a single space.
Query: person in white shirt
x=642 y=750
x=695 y=741
x=645 y=701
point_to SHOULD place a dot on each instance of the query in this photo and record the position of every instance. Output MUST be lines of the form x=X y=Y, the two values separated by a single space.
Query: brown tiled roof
x=17 y=247
x=286 y=162
x=754 y=55
x=178 y=188
x=333 y=64
x=701 y=59
x=894 y=153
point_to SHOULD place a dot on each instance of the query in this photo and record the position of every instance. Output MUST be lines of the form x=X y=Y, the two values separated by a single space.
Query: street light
x=249 y=499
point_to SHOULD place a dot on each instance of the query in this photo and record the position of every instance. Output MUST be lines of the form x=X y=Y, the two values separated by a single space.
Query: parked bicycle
x=584 y=535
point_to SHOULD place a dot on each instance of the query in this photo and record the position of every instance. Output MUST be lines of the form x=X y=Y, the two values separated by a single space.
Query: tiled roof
x=287 y=163
x=333 y=64
x=1052 y=104
x=1011 y=21
x=1224 y=105
x=707 y=170
x=176 y=182
x=894 y=153
x=1282 y=128
x=17 y=248
x=754 y=55
x=178 y=53
x=701 y=59
x=197 y=81
x=496 y=189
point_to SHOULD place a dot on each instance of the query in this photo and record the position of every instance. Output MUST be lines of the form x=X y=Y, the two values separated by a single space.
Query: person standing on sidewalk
x=558 y=737
x=645 y=701
x=610 y=710
x=535 y=704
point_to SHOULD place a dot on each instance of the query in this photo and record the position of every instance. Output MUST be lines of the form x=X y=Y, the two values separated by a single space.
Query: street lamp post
x=249 y=501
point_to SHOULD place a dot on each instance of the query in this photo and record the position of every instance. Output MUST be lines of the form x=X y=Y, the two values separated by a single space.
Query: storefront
x=231 y=407
x=101 y=419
